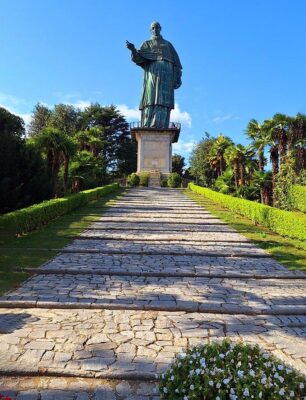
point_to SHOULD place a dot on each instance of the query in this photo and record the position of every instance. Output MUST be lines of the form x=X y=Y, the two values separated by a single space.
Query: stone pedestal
x=155 y=148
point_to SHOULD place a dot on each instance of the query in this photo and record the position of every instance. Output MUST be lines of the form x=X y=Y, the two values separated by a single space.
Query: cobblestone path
x=154 y=274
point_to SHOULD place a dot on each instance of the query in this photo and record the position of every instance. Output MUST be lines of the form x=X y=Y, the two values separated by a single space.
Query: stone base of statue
x=154 y=150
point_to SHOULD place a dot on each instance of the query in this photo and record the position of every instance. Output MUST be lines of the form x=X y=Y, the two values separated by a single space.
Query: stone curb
x=114 y=272
x=190 y=308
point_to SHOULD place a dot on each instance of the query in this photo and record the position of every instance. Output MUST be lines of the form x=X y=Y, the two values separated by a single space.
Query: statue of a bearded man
x=162 y=74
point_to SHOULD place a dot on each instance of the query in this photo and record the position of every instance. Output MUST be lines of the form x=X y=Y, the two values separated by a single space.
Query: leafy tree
x=178 y=164
x=40 y=119
x=87 y=171
x=260 y=139
x=285 y=180
x=114 y=131
x=225 y=183
x=66 y=118
x=199 y=162
x=23 y=173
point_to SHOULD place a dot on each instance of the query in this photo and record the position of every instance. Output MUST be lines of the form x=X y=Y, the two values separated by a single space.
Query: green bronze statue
x=162 y=74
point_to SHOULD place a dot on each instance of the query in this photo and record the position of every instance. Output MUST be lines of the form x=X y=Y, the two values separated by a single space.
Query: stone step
x=217 y=295
x=167 y=264
x=137 y=345
x=246 y=249
x=66 y=388
x=163 y=274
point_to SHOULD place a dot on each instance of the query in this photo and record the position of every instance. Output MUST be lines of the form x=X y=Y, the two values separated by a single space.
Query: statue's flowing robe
x=162 y=74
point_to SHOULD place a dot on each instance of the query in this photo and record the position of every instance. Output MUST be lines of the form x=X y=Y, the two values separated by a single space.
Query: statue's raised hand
x=130 y=46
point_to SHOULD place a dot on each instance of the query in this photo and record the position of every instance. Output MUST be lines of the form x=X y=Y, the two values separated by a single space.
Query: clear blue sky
x=241 y=59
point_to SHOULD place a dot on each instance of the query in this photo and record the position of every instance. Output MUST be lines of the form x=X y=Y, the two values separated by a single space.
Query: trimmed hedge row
x=286 y=223
x=30 y=218
x=298 y=197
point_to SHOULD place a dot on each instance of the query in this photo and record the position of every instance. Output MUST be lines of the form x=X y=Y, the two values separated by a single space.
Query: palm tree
x=271 y=130
x=263 y=180
x=281 y=122
x=297 y=140
x=231 y=156
x=58 y=148
x=257 y=133
x=216 y=154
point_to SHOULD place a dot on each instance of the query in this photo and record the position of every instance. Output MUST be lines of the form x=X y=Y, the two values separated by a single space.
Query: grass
x=35 y=248
x=289 y=252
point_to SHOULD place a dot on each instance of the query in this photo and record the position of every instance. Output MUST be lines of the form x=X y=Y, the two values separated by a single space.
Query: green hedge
x=286 y=223
x=30 y=218
x=298 y=197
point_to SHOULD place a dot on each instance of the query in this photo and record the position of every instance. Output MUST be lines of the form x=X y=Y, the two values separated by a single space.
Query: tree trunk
x=274 y=162
x=261 y=158
x=242 y=173
x=282 y=147
x=66 y=170
x=236 y=173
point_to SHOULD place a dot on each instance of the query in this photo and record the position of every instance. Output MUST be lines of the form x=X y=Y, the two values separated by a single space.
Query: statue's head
x=155 y=28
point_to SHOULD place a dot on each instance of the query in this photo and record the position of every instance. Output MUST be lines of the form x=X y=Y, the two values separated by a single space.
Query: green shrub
x=163 y=182
x=33 y=217
x=144 y=179
x=133 y=179
x=286 y=223
x=230 y=371
x=174 y=180
x=298 y=197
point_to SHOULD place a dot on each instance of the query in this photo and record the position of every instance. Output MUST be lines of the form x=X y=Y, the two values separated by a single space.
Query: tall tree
x=178 y=164
x=66 y=118
x=259 y=138
x=40 y=119
x=216 y=153
x=113 y=127
x=199 y=161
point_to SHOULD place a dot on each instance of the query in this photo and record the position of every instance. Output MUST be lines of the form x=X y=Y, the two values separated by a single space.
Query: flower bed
x=226 y=370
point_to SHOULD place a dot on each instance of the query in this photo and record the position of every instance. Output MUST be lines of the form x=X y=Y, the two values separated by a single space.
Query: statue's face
x=155 y=29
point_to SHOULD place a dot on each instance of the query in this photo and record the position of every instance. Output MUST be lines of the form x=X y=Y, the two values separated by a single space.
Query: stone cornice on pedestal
x=174 y=128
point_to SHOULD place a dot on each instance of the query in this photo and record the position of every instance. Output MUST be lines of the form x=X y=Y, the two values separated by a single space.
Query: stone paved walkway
x=154 y=274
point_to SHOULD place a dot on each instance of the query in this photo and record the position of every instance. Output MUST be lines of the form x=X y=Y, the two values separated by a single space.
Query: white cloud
x=221 y=118
x=82 y=104
x=183 y=147
x=129 y=113
x=181 y=116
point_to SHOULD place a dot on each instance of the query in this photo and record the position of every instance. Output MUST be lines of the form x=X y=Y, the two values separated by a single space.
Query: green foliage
x=225 y=183
x=285 y=223
x=174 y=180
x=178 y=164
x=199 y=162
x=40 y=119
x=89 y=170
x=37 y=215
x=164 y=182
x=133 y=180
x=144 y=179
x=298 y=197
x=230 y=371
x=284 y=183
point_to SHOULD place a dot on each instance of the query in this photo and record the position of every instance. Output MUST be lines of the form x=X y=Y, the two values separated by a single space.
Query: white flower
x=165 y=390
x=301 y=386
x=198 y=371
x=183 y=355
x=179 y=364
x=252 y=373
x=185 y=397
x=191 y=387
x=218 y=398
x=233 y=397
x=280 y=367
x=291 y=393
x=221 y=355
x=260 y=395
x=226 y=381
x=218 y=385
x=246 y=392
x=163 y=375
x=172 y=378
x=265 y=356
x=177 y=391
x=240 y=374
x=281 y=379
x=282 y=391
x=203 y=362
x=239 y=364
x=288 y=370
x=211 y=383
x=276 y=375
x=263 y=380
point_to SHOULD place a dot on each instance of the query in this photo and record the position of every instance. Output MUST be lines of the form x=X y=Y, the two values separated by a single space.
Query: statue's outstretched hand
x=130 y=46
